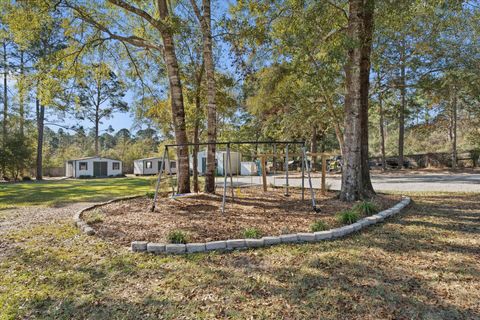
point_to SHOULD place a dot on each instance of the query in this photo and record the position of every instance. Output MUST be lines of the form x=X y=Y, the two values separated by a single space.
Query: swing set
x=228 y=172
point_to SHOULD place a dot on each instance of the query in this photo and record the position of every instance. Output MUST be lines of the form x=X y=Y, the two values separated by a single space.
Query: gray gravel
x=408 y=181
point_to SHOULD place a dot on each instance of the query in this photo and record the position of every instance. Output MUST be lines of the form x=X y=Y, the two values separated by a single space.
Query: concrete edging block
x=306 y=237
x=255 y=243
x=155 y=247
x=270 y=241
x=289 y=238
x=216 y=245
x=176 y=248
x=236 y=243
x=323 y=235
x=139 y=246
x=195 y=247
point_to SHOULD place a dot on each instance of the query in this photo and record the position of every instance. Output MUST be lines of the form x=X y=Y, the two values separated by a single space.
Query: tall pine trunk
x=403 y=102
x=40 y=125
x=382 y=131
x=176 y=95
x=5 y=92
x=355 y=177
x=206 y=26
x=21 y=94
x=454 y=126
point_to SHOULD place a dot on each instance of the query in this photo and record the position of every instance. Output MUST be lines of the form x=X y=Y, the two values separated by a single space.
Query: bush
x=150 y=195
x=26 y=178
x=348 y=217
x=318 y=226
x=83 y=176
x=366 y=208
x=252 y=233
x=177 y=236
x=95 y=217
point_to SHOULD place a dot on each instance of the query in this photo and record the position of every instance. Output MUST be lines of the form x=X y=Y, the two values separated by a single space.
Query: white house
x=93 y=167
x=149 y=166
x=220 y=158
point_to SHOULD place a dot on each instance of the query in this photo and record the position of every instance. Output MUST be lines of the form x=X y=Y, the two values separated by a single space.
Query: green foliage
x=177 y=236
x=252 y=233
x=366 y=208
x=348 y=217
x=318 y=225
x=150 y=195
x=94 y=217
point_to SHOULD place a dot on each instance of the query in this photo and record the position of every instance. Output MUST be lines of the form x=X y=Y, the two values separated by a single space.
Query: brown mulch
x=200 y=215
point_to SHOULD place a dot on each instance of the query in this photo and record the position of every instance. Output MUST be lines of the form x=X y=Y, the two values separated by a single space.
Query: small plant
x=252 y=233
x=366 y=208
x=348 y=217
x=95 y=217
x=177 y=236
x=318 y=226
x=150 y=195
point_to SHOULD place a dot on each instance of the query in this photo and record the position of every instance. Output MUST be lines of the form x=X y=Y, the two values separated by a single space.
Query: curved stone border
x=231 y=244
x=77 y=217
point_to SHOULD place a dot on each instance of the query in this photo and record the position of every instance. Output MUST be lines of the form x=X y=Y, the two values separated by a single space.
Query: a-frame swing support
x=227 y=168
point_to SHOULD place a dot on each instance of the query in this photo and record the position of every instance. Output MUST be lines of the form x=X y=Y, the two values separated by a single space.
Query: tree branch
x=157 y=24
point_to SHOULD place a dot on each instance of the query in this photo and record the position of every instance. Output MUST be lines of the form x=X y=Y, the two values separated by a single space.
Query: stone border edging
x=82 y=225
x=231 y=244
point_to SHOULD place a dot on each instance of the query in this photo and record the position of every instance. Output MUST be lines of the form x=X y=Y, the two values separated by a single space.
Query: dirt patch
x=200 y=216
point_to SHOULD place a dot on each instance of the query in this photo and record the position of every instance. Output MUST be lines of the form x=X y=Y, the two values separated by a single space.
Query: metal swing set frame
x=228 y=166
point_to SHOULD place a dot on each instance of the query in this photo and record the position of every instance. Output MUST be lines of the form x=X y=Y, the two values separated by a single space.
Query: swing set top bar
x=234 y=142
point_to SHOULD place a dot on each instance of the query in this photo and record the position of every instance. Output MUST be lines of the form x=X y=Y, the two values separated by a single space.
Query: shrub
x=150 y=195
x=95 y=217
x=366 y=208
x=26 y=178
x=318 y=226
x=84 y=176
x=177 y=236
x=252 y=233
x=348 y=217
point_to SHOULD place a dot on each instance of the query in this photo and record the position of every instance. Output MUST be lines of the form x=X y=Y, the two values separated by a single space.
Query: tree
x=100 y=94
x=355 y=175
x=204 y=18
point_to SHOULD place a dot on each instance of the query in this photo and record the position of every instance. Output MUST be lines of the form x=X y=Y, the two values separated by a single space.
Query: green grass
x=48 y=193
x=420 y=264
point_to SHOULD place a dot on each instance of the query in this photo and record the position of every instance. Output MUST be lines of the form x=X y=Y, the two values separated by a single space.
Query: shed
x=151 y=166
x=93 y=167
x=220 y=159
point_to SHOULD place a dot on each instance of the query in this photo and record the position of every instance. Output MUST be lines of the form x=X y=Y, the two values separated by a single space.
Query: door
x=100 y=169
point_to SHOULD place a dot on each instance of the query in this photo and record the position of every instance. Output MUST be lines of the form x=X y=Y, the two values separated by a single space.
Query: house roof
x=151 y=158
x=89 y=158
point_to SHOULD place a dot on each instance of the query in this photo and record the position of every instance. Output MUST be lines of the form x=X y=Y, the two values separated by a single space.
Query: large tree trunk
x=205 y=24
x=5 y=92
x=382 y=131
x=97 y=124
x=401 y=115
x=354 y=182
x=369 y=7
x=454 y=127
x=40 y=124
x=21 y=94
x=176 y=95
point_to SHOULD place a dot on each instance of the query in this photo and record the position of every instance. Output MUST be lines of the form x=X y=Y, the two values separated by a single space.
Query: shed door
x=100 y=169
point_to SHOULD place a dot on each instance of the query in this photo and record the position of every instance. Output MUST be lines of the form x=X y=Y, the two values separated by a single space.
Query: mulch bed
x=200 y=215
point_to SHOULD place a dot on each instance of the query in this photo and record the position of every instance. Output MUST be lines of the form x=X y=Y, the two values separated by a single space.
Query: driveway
x=408 y=181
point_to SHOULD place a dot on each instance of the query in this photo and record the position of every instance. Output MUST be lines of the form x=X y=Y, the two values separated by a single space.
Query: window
x=83 y=165
x=173 y=164
x=149 y=164
x=115 y=165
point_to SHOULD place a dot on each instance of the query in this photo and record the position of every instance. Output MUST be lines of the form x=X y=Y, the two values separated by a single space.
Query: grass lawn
x=421 y=264
x=73 y=190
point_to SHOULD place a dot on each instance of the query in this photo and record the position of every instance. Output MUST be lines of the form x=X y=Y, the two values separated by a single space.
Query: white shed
x=220 y=158
x=149 y=166
x=93 y=167
x=249 y=168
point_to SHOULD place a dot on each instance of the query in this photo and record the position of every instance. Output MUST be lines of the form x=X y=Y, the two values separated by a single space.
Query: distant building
x=93 y=167
x=151 y=166
x=220 y=158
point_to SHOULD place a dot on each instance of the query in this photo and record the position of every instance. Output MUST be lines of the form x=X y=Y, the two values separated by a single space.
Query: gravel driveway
x=408 y=181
